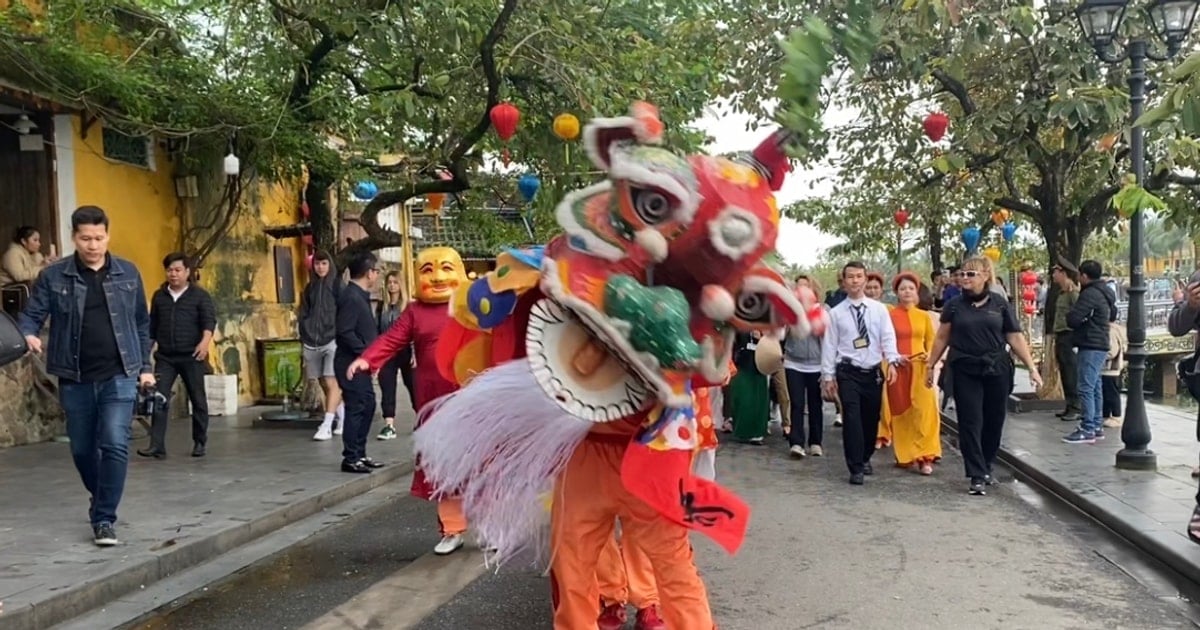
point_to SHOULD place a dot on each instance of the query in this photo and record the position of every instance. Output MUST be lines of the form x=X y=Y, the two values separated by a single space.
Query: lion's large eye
x=753 y=307
x=651 y=206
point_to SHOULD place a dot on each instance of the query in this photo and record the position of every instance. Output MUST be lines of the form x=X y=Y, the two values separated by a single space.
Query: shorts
x=318 y=362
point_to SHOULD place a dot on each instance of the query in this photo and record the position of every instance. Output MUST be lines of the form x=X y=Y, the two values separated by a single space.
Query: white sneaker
x=837 y=420
x=798 y=452
x=324 y=432
x=339 y=425
x=815 y=450
x=448 y=545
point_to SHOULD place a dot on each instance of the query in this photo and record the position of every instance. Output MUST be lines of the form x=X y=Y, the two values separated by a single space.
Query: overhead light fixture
x=24 y=126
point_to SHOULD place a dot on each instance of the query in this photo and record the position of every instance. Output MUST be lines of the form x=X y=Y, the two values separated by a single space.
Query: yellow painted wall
x=240 y=275
x=141 y=204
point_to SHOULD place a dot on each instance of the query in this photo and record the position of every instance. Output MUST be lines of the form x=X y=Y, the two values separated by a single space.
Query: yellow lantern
x=566 y=127
x=993 y=254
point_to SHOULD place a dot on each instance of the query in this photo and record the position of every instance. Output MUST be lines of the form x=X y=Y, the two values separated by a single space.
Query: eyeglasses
x=969 y=273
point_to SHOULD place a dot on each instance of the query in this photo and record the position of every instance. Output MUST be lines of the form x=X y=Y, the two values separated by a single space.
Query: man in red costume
x=439 y=272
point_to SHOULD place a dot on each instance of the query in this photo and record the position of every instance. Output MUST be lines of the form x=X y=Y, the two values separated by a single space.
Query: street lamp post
x=1100 y=21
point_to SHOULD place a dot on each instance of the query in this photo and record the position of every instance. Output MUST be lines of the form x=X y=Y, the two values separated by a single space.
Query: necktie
x=860 y=320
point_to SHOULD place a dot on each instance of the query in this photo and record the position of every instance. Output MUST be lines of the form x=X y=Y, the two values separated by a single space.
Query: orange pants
x=588 y=498
x=625 y=575
x=451 y=519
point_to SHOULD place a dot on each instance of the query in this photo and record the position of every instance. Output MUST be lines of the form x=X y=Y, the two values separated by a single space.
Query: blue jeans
x=1091 y=393
x=98 y=418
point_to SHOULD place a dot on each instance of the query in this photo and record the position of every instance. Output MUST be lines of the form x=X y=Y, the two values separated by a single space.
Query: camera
x=149 y=400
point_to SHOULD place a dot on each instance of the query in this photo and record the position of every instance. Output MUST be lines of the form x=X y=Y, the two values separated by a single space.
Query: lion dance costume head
x=615 y=320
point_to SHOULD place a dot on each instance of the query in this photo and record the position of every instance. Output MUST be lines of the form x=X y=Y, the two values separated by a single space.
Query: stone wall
x=29 y=409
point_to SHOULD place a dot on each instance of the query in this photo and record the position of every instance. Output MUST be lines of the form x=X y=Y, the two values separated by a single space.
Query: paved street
x=901 y=552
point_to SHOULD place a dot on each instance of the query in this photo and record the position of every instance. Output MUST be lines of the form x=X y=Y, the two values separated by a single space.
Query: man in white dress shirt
x=858 y=340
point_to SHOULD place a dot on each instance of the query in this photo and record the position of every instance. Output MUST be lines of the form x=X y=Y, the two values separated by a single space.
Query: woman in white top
x=23 y=261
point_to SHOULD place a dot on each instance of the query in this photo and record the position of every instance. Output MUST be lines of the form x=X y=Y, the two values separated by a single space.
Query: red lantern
x=900 y=217
x=1029 y=294
x=304 y=210
x=935 y=125
x=308 y=261
x=1030 y=309
x=1028 y=278
x=307 y=239
x=505 y=117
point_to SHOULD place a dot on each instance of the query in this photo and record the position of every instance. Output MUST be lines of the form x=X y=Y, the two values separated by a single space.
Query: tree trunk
x=933 y=235
x=316 y=193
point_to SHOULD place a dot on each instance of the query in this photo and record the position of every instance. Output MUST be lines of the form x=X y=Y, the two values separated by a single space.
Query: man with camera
x=182 y=320
x=99 y=348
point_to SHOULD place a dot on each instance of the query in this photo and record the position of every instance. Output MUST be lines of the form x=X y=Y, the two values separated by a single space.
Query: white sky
x=798 y=243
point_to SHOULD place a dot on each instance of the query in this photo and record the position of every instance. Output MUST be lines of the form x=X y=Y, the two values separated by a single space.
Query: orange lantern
x=1000 y=217
x=434 y=201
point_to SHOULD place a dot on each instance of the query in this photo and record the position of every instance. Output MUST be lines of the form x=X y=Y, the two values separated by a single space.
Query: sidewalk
x=1150 y=509
x=175 y=513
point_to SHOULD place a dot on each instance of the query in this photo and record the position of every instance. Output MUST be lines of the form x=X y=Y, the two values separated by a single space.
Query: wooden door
x=27 y=186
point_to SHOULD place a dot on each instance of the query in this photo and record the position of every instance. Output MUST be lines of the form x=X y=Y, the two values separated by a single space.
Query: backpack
x=12 y=342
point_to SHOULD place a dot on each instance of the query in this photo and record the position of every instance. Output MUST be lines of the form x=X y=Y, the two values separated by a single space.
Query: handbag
x=12 y=342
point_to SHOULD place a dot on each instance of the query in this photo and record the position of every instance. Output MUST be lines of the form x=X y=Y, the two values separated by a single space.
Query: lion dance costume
x=576 y=364
x=440 y=272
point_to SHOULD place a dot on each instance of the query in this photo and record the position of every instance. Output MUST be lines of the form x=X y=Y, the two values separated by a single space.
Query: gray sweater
x=806 y=350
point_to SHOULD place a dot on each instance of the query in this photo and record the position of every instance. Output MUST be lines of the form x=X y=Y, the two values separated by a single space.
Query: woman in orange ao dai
x=909 y=406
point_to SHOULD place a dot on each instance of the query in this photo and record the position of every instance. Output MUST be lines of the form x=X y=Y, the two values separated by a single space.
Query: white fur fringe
x=500 y=443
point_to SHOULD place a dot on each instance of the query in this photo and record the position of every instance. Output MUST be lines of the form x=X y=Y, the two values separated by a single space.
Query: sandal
x=1193 y=530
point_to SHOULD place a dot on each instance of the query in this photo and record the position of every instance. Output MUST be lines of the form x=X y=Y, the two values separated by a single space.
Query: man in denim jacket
x=99 y=348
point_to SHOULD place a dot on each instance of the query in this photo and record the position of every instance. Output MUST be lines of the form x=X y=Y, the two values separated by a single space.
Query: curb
x=1139 y=530
x=150 y=566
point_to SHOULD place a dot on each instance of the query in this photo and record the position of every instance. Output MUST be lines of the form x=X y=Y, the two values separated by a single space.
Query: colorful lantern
x=566 y=127
x=1028 y=278
x=999 y=217
x=1008 y=231
x=434 y=201
x=528 y=186
x=935 y=126
x=505 y=117
x=970 y=238
x=993 y=254
x=900 y=217
x=366 y=190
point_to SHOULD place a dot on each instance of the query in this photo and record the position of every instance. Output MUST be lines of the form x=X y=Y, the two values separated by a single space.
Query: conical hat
x=768 y=357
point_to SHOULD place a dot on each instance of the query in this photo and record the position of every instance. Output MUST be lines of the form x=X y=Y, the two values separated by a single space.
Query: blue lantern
x=528 y=185
x=970 y=238
x=1009 y=231
x=366 y=190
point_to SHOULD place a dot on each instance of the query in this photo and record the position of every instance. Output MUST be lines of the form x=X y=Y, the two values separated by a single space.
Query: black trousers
x=981 y=405
x=804 y=388
x=400 y=364
x=166 y=370
x=1111 y=388
x=861 y=392
x=358 y=394
x=1068 y=370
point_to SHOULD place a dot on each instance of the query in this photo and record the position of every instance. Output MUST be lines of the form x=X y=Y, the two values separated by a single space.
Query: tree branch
x=414 y=85
x=956 y=89
x=487 y=58
x=1016 y=205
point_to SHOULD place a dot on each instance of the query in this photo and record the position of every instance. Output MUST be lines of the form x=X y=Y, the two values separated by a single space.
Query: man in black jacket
x=182 y=321
x=356 y=329
x=1088 y=319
